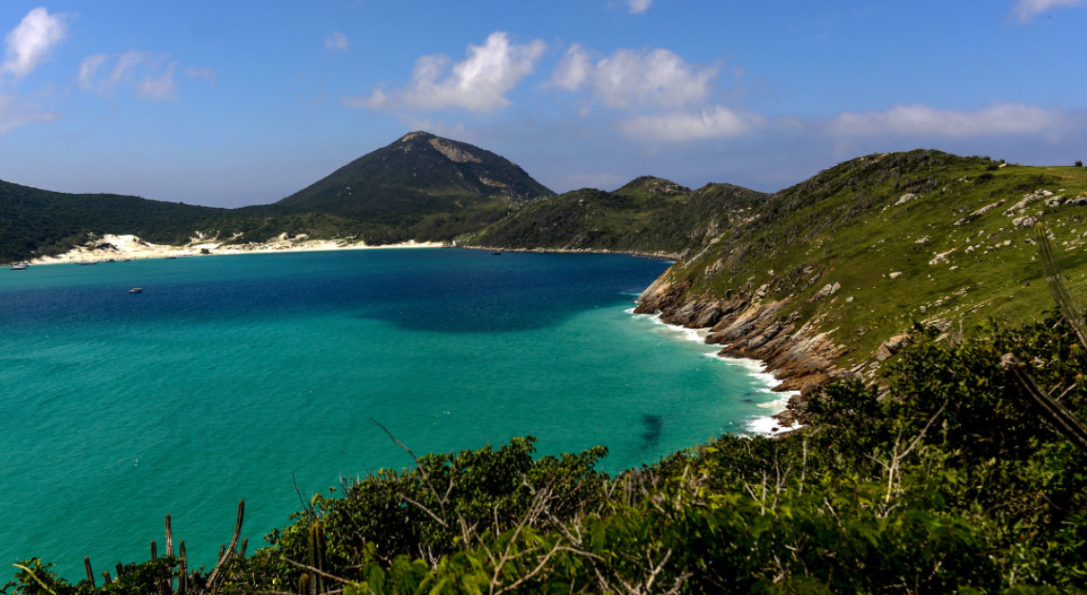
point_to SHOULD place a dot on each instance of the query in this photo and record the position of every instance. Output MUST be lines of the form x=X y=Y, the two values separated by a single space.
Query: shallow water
x=235 y=376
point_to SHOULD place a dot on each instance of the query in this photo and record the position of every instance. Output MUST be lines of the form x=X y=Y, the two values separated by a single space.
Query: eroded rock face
x=745 y=327
x=452 y=152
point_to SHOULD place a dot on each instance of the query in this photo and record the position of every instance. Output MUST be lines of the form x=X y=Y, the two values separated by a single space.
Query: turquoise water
x=234 y=376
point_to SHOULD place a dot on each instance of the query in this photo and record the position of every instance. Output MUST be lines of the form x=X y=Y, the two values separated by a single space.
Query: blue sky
x=242 y=102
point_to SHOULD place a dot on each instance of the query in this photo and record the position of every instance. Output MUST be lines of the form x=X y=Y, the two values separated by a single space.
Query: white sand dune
x=130 y=247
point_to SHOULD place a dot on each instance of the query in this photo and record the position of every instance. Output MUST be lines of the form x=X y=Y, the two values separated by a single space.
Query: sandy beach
x=130 y=247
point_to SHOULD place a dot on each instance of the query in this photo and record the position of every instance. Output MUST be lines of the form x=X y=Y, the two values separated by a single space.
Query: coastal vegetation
x=647 y=216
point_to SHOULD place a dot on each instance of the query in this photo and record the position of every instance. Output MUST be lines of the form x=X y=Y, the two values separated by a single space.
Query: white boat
x=135 y=290
x=19 y=266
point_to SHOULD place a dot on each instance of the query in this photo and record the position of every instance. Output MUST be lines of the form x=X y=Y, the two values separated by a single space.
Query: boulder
x=1024 y=221
x=891 y=346
x=827 y=290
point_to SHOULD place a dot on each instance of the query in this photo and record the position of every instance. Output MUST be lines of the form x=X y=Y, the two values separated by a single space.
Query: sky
x=240 y=102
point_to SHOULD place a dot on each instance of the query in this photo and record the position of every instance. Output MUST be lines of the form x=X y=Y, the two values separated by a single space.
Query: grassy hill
x=864 y=249
x=421 y=187
x=36 y=222
x=649 y=216
x=424 y=186
x=43 y=222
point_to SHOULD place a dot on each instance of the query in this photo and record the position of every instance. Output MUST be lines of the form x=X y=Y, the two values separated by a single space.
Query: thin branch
x=420 y=467
x=317 y=570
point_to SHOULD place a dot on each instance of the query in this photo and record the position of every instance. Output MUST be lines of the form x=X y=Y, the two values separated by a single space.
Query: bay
x=236 y=377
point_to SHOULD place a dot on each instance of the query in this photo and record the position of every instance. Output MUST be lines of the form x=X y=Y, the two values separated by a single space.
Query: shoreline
x=130 y=247
x=654 y=255
x=763 y=425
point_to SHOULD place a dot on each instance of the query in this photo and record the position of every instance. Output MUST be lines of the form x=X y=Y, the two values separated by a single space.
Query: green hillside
x=422 y=187
x=864 y=249
x=647 y=216
x=427 y=187
x=35 y=222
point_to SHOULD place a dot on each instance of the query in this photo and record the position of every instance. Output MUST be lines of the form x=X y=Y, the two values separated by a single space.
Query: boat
x=496 y=254
x=171 y=258
x=135 y=290
x=18 y=266
x=87 y=263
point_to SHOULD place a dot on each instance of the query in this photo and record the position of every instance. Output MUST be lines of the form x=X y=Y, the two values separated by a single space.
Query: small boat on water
x=19 y=266
x=496 y=254
x=171 y=258
x=135 y=290
x=87 y=263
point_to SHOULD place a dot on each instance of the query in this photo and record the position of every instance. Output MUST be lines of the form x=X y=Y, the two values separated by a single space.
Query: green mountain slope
x=649 y=216
x=837 y=265
x=421 y=187
x=34 y=221
x=427 y=187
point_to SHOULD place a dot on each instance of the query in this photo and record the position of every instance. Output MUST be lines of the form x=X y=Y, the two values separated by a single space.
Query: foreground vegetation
x=956 y=479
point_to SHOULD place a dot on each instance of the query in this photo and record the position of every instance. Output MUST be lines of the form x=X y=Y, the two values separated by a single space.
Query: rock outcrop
x=801 y=358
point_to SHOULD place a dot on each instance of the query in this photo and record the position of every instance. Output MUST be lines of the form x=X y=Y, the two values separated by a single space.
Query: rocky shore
x=801 y=358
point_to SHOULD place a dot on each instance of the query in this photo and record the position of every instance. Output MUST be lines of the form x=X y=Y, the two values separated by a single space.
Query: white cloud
x=375 y=100
x=14 y=113
x=200 y=73
x=1025 y=10
x=29 y=43
x=160 y=87
x=337 y=41
x=631 y=6
x=922 y=120
x=573 y=69
x=478 y=83
x=635 y=77
x=713 y=122
x=154 y=78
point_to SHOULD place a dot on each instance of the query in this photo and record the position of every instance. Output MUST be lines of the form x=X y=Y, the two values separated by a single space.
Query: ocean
x=235 y=377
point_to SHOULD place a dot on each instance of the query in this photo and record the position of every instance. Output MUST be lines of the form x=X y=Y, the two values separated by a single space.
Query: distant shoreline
x=655 y=255
x=129 y=247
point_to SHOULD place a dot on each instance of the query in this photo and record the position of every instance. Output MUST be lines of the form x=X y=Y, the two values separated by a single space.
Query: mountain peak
x=418 y=177
x=650 y=186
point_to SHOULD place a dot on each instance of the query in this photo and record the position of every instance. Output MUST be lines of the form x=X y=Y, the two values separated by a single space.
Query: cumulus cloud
x=28 y=44
x=1025 y=10
x=712 y=122
x=337 y=41
x=478 y=83
x=154 y=78
x=922 y=120
x=634 y=77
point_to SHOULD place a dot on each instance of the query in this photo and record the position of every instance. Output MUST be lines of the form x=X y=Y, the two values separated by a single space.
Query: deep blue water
x=235 y=376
